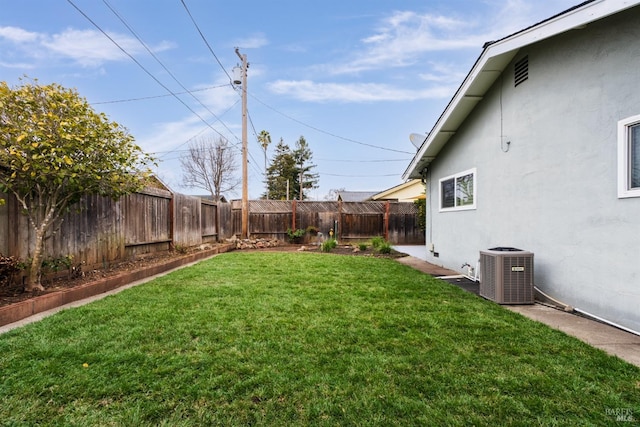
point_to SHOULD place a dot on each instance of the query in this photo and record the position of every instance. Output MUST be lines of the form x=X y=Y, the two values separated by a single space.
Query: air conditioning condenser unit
x=506 y=275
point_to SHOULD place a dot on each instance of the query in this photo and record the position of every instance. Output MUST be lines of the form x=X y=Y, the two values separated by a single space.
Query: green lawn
x=304 y=339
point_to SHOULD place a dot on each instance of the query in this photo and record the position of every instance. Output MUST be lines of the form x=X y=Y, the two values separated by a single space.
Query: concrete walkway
x=612 y=340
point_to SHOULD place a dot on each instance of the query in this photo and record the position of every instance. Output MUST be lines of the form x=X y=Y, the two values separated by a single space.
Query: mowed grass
x=304 y=339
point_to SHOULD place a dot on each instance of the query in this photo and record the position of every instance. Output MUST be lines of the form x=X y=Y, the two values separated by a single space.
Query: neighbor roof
x=355 y=196
x=495 y=57
x=384 y=194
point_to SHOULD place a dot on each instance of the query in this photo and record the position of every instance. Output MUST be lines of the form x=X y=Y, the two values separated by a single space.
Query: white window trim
x=623 y=158
x=475 y=189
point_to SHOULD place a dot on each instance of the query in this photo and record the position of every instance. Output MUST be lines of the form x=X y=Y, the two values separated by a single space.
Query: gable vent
x=521 y=71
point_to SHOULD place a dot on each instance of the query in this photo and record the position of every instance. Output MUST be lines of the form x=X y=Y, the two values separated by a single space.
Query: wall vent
x=521 y=71
x=506 y=276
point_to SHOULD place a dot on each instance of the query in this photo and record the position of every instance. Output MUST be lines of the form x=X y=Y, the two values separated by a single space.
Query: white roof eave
x=491 y=64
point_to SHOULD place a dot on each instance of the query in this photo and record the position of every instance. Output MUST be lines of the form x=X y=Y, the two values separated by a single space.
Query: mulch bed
x=15 y=293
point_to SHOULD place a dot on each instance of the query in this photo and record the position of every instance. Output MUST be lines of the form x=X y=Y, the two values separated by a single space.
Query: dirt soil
x=15 y=293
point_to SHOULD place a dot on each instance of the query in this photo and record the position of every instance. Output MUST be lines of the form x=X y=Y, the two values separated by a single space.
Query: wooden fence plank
x=98 y=230
x=356 y=220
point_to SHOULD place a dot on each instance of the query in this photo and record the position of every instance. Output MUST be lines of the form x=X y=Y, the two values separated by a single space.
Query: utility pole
x=245 y=186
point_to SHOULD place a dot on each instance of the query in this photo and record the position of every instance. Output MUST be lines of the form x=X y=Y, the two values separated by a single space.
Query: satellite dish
x=417 y=139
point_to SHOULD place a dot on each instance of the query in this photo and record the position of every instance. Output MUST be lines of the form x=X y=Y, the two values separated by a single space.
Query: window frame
x=455 y=177
x=624 y=161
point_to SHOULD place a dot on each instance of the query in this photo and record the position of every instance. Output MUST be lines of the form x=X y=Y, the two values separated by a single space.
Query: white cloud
x=18 y=65
x=421 y=41
x=405 y=36
x=443 y=73
x=92 y=48
x=171 y=135
x=88 y=48
x=254 y=41
x=306 y=90
x=18 y=35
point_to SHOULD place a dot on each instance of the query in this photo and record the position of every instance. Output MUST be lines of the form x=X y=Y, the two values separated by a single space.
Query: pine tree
x=281 y=170
x=290 y=166
x=302 y=155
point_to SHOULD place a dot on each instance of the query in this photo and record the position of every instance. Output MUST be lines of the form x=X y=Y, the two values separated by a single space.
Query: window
x=458 y=192
x=629 y=157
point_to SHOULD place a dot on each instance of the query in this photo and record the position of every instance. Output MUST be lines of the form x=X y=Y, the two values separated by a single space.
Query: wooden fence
x=99 y=231
x=350 y=221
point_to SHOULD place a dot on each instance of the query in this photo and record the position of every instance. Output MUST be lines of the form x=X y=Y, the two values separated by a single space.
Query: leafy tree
x=289 y=168
x=210 y=165
x=54 y=149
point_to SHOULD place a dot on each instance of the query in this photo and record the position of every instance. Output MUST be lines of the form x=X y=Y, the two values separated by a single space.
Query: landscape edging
x=21 y=310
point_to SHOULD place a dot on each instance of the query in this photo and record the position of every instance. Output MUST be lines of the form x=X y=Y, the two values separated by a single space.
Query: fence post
x=386 y=220
x=171 y=220
x=294 y=205
x=338 y=224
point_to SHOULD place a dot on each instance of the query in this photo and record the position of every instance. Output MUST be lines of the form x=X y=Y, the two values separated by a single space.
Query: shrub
x=8 y=267
x=377 y=241
x=384 y=248
x=53 y=265
x=421 y=204
x=329 y=245
x=362 y=246
x=295 y=235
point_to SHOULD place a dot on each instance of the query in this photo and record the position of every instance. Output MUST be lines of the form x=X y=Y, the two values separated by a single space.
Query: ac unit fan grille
x=516 y=282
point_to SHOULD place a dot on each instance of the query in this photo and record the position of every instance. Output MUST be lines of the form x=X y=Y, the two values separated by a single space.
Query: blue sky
x=354 y=77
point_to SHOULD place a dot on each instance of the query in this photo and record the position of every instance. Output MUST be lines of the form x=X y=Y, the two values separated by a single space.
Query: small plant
x=362 y=247
x=329 y=245
x=295 y=235
x=384 y=248
x=377 y=241
x=56 y=264
x=180 y=249
x=312 y=230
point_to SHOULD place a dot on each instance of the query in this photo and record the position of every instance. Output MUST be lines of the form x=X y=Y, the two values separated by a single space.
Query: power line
x=163 y=66
x=158 y=96
x=329 y=133
x=142 y=67
x=357 y=176
x=205 y=40
x=268 y=106
x=364 y=161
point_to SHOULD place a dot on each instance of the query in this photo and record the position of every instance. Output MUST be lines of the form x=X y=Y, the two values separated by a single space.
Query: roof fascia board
x=509 y=47
x=394 y=189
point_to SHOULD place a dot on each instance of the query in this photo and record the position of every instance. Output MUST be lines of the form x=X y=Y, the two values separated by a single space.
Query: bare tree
x=210 y=164
x=333 y=194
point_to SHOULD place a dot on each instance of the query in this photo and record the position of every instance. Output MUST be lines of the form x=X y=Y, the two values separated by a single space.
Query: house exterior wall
x=553 y=189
